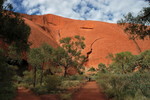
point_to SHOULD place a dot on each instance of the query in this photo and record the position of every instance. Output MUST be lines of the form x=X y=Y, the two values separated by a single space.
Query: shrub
x=68 y=84
x=67 y=96
x=92 y=69
x=27 y=79
x=77 y=77
x=38 y=89
x=120 y=86
x=52 y=82
x=7 y=89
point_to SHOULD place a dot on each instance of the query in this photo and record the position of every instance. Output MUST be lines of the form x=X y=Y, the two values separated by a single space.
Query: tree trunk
x=65 y=73
x=41 y=80
x=34 y=78
x=137 y=45
x=50 y=71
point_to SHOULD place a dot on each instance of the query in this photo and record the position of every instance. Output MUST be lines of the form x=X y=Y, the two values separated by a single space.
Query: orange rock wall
x=110 y=37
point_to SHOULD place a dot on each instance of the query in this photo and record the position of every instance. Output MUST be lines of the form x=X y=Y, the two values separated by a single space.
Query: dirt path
x=89 y=92
x=25 y=94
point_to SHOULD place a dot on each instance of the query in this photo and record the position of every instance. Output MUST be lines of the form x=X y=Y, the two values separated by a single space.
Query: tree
x=74 y=46
x=102 y=67
x=123 y=60
x=69 y=54
x=39 y=58
x=61 y=58
x=13 y=30
x=7 y=89
x=92 y=69
x=34 y=58
x=137 y=26
x=144 y=60
x=46 y=53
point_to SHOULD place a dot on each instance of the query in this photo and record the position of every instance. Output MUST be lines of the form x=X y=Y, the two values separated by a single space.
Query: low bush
x=52 y=82
x=92 y=69
x=66 y=96
x=7 y=91
x=122 y=86
x=68 y=84
x=7 y=72
x=77 y=77
x=40 y=89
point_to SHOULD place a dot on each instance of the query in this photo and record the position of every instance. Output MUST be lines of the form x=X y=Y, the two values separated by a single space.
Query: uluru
x=74 y=50
x=101 y=38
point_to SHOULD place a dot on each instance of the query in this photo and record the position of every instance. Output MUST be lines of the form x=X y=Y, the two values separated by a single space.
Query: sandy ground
x=89 y=92
x=25 y=94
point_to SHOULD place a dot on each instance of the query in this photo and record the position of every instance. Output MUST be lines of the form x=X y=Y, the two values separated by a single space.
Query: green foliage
x=129 y=86
x=46 y=51
x=42 y=57
x=69 y=55
x=144 y=60
x=137 y=26
x=76 y=77
x=92 y=69
x=123 y=62
x=38 y=89
x=121 y=87
x=13 y=30
x=102 y=68
x=69 y=84
x=52 y=82
x=66 y=96
x=27 y=80
x=34 y=57
x=7 y=89
x=61 y=57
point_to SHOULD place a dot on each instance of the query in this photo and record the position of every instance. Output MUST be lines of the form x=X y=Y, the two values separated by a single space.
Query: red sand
x=25 y=94
x=89 y=92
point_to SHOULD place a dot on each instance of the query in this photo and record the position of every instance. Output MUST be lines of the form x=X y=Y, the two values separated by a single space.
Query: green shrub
x=7 y=72
x=40 y=89
x=7 y=91
x=120 y=86
x=77 y=77
x=68 y=84
x=67 y=96
x=27 y=79
x=52 y=82
x=92 y=69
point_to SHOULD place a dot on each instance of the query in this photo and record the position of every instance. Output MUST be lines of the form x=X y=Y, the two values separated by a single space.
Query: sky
x=98 y=10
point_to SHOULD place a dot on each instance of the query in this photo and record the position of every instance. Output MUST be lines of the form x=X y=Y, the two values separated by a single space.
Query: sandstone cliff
x=101 y=38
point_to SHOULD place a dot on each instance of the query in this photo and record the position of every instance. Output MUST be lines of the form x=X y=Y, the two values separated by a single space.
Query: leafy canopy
x=137 y=26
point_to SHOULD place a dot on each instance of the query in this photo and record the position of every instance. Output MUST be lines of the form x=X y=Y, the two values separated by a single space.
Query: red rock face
x=103 y=38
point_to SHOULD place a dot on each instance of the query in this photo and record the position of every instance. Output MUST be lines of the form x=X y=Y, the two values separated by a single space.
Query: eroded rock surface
x=101 y=38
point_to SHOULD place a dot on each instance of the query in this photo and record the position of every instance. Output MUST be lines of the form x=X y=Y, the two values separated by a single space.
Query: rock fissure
x=52 y=23
x=89 y=52
x=86 y=27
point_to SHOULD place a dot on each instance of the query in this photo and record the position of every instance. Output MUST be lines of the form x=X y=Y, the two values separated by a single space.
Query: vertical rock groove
x=89 y=52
